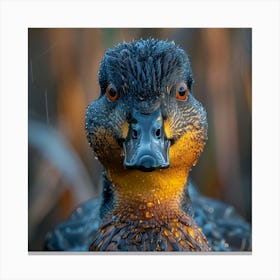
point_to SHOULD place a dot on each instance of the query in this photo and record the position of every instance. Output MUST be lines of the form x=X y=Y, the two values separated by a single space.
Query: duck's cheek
x=186 y=150
x=106 y=148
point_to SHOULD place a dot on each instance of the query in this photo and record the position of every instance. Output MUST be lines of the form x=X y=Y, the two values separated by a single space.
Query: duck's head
x=146 y=128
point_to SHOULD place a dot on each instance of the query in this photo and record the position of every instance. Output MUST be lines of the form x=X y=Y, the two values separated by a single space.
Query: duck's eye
x=112 y=92
x=182 y=91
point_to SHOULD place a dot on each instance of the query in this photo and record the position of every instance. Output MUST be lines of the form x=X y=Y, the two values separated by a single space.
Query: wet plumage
x=148 y=130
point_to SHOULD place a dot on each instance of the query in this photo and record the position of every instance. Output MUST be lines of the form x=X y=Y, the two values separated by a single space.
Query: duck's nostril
x=134 y=133
x=158 y=132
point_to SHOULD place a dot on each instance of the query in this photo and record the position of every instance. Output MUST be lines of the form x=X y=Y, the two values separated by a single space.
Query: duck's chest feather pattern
x=127 y=230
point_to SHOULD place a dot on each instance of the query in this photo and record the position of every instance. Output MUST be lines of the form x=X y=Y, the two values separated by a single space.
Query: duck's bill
x=146 y=147
x=144 y=159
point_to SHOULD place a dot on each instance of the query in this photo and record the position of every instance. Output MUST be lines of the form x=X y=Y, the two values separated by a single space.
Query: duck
x=148 y=130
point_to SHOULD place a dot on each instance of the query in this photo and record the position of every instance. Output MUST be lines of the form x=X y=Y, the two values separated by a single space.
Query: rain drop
x=148 y=215
x=150 y=204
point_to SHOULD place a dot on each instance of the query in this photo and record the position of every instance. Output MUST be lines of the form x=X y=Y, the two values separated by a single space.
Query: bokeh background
x=62 y=79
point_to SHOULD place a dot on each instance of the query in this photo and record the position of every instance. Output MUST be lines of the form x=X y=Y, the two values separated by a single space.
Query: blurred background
x=62 y=80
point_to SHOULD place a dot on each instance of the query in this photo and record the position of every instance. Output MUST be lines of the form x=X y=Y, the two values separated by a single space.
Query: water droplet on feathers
x=150 y=204
x=148 y=215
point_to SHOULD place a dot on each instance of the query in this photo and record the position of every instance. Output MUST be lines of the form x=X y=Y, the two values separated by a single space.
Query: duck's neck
x=148 y=216
x=149 y=195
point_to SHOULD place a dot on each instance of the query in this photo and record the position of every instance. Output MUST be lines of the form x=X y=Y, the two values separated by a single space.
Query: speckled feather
x=172 y=234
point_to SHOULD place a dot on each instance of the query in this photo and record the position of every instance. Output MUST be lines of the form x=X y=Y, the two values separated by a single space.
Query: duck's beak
x=146 y=146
